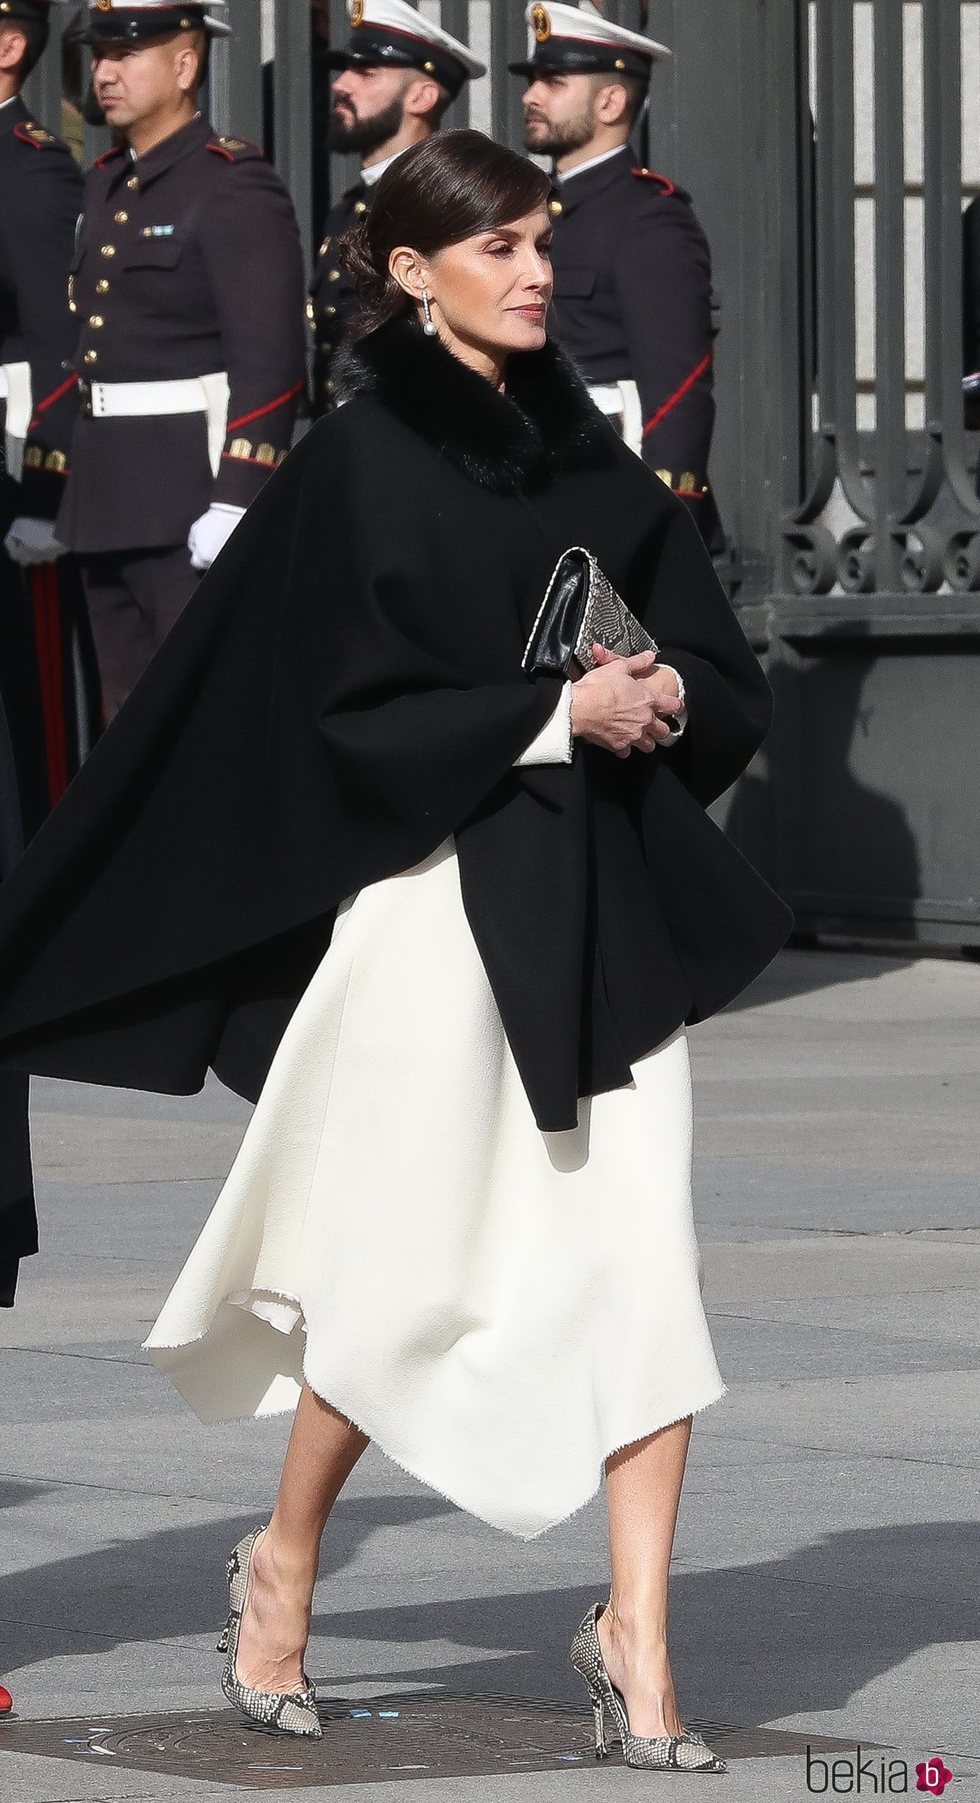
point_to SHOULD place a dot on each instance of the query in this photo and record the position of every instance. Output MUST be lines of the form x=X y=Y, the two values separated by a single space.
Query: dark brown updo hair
x=439 y=192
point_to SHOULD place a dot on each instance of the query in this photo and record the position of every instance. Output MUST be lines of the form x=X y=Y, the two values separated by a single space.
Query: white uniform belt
x=147 y=400
x=621 y=401
x=115 y=400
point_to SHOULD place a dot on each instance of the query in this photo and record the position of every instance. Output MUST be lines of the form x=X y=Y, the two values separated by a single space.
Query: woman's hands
x=625 y=703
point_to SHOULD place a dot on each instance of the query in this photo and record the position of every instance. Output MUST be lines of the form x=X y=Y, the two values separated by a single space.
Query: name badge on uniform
x=158 y=231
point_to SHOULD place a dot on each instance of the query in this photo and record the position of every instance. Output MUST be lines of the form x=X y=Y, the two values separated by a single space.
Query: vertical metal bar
x=889 y=489
x=219 y=88
x=454 y=17
x=664 y=115
x=793 y=294
x=292 y=110
x=836 y=335
x=804 y=336
x=236 y=75
x=942 y=176
x=343 y=170
x=508 y=44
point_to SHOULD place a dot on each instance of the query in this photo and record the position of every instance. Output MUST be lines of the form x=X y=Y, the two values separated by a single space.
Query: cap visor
x=99 y=33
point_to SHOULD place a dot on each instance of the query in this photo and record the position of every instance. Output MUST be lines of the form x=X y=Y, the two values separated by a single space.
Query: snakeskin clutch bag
x=581 y=607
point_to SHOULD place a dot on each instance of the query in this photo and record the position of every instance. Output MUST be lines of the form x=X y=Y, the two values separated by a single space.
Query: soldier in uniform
x=42 y=612
x=187 y=283
x=632 y=298
x=397 y=76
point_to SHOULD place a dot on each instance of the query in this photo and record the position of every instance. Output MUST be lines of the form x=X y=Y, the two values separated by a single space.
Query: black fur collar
x=545 y=422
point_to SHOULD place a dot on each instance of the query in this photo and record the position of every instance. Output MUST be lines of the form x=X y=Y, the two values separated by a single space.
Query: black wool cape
x=342 y=693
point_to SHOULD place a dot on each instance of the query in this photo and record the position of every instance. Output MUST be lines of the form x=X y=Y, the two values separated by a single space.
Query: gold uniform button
x=102 y=286
x=555 y=208
x=108 y=250
x=329 y=387
x=329 y=312
x=311 y=312
x=121 y=217
x=96 y=320
x=91 y=357
x=360 y=208
x=133 y=182
x=333 y=275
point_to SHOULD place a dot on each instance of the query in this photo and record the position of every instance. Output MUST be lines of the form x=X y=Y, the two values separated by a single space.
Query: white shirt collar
x=606 y=156
x=9 y=101
x=375 y=171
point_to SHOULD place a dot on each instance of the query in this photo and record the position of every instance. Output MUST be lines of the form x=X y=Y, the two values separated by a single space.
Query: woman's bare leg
x=643 y=1491
x=323 y=1449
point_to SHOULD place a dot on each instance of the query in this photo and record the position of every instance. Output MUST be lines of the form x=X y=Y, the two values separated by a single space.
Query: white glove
x=211 y=533
x=33 y=541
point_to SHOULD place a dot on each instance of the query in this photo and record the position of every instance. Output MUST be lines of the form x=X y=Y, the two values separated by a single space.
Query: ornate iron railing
x=886 y=508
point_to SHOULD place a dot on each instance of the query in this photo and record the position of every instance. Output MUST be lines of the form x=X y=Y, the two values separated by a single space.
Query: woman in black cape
x=445 y=924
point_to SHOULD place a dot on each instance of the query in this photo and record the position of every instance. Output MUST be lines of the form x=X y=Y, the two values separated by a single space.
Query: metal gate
x=829 y=146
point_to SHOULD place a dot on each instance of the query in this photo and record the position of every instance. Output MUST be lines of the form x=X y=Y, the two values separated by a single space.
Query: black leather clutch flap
x=581 y=607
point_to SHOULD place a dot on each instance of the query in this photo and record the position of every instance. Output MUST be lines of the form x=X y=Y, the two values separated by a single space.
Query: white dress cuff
x=553 y=744
x=680 y=720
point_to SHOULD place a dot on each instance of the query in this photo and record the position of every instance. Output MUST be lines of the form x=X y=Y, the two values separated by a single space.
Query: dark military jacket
x=333 y=296
x=633 y=299
x=188 y=263
x=40 y=200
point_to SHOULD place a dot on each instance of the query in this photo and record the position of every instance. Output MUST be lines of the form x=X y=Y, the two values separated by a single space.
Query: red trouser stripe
x=47 y=637
x=678 y=395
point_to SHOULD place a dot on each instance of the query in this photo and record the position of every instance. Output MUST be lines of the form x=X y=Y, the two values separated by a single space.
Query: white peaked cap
x=582 y=37
x=397 y=17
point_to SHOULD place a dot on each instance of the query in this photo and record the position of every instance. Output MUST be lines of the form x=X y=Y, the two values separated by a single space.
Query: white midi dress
x=497 y=1307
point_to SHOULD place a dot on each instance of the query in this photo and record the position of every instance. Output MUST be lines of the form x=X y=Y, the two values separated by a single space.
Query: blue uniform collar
x=12 y=113
x=163 y=156
x=574 y=188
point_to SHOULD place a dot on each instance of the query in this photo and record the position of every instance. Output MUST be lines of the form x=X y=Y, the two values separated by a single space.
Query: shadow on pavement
x=798 y=972
x=751 y=1644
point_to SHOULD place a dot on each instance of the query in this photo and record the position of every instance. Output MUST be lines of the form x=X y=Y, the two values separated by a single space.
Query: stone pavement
x=826 y=1561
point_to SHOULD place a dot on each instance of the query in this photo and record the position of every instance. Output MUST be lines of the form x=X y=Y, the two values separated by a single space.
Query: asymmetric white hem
x=498 y=1308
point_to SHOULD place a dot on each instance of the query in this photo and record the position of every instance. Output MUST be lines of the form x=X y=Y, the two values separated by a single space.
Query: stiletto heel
x=599 y=1720
x=271 y=1712
x=687 y=1752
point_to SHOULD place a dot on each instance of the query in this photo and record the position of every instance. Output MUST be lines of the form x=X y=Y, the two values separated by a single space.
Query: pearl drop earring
x=429 y=326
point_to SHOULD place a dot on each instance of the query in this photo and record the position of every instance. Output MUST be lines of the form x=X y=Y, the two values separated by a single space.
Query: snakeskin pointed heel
x=687 y=1752
x=270 y=1712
